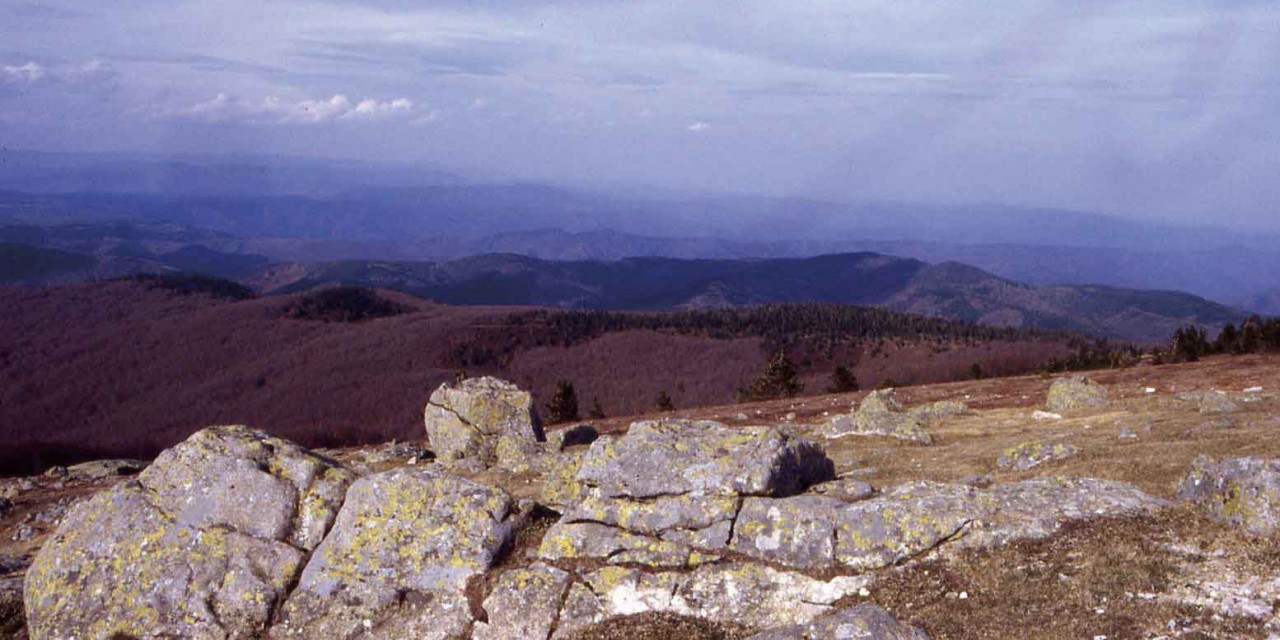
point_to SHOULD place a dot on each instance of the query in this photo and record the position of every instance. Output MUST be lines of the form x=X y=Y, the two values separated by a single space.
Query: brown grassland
x=122 y=369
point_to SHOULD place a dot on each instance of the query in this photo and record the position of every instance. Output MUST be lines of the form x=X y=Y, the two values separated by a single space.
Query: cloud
x=272 y=110
x=87 y=72
x=699 y=127
x=28 y=73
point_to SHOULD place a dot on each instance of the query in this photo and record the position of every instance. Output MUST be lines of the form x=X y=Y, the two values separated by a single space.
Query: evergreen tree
x=663 y=403
x=1228 y=340
x=976 y=372
x=842 y=380
x=777 y=381
x=564 y=404
x=1189 y=343
x=597 y=412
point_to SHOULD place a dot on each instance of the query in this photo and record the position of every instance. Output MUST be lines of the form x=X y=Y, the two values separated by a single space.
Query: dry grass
x=1092 y=579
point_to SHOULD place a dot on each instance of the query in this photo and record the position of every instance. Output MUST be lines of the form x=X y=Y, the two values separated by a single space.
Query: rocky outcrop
x=1243 y=492
x=1029 y=455
x=1076 y=393
x=880 y=414
x=666 y=494
x=205 y=543
x=473 y=418
x=400 y=553
x=818 y=532
x=863 y=622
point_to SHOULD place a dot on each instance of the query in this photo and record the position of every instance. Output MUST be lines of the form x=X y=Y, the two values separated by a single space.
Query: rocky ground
x=987 y=509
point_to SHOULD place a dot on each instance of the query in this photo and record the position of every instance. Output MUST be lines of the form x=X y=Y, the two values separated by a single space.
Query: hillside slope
x=118 y=368
x=948 y=290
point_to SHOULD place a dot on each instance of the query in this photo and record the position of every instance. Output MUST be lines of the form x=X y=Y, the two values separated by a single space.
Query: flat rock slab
x=399 y=556
x=914 y=519
x=1029 y=455
x=671 y=457
x=863 y=622
x=744 y=594
x=205 y=543
x=1243 y=492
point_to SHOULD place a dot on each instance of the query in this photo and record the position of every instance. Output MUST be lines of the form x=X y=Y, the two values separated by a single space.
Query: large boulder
x=1029 y=455
x=204 y=543
x=1243 y=492
x=880 y=414
x=667 y=493
x=1076 y=392
x=401 y=553
x=470 y=418
x=861 y=622
x=667 y=457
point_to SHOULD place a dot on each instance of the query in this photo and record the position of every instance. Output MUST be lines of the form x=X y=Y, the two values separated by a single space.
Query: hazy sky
x=1168 y=108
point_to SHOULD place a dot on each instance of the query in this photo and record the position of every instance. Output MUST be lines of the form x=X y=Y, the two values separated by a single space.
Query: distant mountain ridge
x=949 y=290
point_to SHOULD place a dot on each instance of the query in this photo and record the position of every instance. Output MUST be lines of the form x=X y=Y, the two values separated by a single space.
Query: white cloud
x=27 y=73
x=273 y=110
x=699 y=127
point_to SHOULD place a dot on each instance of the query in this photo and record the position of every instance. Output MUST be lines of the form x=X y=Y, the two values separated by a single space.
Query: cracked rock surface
x=472 y=418
x=398 y=559
x=204 y=544
x=1244 y=492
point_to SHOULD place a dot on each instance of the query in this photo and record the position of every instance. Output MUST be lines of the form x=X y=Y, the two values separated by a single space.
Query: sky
x=1165 y=109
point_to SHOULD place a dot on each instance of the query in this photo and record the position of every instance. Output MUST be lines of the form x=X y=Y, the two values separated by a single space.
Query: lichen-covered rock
x=99 y=469
x=1076 y=392
x=1035 y=453
x=667 y=457
x=847 y=489
x=245 y=480
x=399 y=556
x=1210 y=402
x=1243 y=492
x=796 y=532
x=468 y=418
x=879 y=414
x=203 y=544
x=524 y=604
x=1037 y=508
x=572 y=436
x=935 y=412
x=560 y=488
x=862 y=622
x=913 y=519
x=745 y=594
x=667 y=493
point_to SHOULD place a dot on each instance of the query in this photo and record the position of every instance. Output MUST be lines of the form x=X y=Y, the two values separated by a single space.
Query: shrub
x=664 y=403
x=343 y=304
x=842 y=380
x=564 y=404
x=194 y=283
x=777 y=381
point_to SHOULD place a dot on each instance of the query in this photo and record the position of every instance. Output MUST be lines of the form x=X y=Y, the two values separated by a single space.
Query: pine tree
x=777 y=381
x=564 y=404
x=976 y=372
x=663 y=403
x=597 y=411
x=842 y=380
